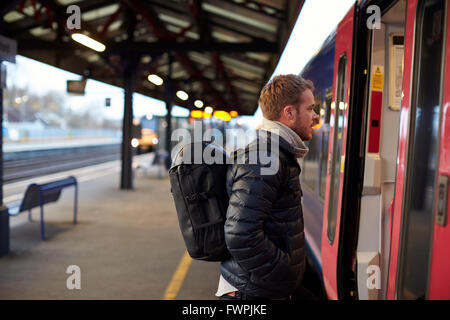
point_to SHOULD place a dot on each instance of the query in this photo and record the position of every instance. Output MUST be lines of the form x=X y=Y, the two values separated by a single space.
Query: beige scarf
x=287 y=134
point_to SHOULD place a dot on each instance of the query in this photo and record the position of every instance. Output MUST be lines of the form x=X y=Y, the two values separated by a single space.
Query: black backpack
x=201 y=200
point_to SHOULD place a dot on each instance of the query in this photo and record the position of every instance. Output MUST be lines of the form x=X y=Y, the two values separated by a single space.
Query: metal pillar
x=4 y=216
x=126 y=180
x=169 y=102
x=168 y=130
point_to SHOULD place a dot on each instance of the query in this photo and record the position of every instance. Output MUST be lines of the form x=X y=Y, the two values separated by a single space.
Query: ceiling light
x=209 y=110
x=182 y=95
x=156 y=80
x=198 y=103
x=196 y=114
x=207 y=115
x=146 y=59
x=88 y=42
x=134 y=143
x=222 y=115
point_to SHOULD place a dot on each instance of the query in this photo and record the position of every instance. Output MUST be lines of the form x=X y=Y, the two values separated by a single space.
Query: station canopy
x=221 y=52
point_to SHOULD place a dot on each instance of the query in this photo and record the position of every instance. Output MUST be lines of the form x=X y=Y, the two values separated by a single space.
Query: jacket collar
x=289 y=135
x=283 y=144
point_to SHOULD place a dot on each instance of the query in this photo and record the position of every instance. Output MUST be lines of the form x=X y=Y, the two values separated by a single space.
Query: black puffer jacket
x=264 y=227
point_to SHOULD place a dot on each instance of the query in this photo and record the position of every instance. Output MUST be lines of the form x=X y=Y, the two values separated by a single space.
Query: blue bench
x=37 y=195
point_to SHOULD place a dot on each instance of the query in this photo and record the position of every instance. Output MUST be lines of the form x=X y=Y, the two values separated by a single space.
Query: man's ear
x=288 y=113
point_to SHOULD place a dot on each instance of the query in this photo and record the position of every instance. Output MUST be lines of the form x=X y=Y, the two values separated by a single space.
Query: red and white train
x=376 y=179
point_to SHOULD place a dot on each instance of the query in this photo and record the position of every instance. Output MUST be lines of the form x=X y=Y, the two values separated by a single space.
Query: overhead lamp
x=209 y=109
x=155 y=79
x=134 y=143
x=182 y=95
x=207 y=115
x=198 y=103
x=196 y=114
x=222 y=115
x=318 y=125
x=88 y=42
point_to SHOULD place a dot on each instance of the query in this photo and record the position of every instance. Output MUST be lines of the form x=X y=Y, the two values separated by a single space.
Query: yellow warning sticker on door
x=377 y=78
x=342 y=163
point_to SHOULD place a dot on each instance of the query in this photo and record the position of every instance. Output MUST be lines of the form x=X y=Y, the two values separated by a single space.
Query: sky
x=322 y=16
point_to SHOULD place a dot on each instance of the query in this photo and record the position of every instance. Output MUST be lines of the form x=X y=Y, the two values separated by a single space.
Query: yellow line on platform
x=178 y=277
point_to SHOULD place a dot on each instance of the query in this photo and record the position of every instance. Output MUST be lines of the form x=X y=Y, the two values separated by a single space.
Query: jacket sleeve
x=251 y=197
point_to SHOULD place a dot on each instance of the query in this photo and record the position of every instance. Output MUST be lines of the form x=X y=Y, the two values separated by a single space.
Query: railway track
x=28 y=164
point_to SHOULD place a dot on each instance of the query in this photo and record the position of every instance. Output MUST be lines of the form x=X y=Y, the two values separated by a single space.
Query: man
x=264 y=225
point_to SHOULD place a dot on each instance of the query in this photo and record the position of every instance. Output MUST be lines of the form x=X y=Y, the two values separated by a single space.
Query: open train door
x=336 y=155
x=419 y=257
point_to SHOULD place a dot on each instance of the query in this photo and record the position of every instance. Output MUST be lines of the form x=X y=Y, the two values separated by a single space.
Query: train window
x=310 y=164
x=336 y=162
x=423 y=151
x=327 y=108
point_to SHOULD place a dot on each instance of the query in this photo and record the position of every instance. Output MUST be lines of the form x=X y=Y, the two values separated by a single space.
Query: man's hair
x=281 y=91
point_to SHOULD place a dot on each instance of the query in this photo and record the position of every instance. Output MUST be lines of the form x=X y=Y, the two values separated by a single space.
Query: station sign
x=8 y=49
x=76 y=87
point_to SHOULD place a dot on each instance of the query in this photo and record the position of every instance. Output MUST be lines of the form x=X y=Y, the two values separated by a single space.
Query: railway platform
x=127 y=244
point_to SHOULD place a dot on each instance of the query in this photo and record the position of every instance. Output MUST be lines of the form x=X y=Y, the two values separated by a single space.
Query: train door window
x=423 y=151
x=336 y=161
x=324 y=143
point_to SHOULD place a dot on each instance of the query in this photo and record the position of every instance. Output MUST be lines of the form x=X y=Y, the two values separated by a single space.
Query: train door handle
x=441 y=215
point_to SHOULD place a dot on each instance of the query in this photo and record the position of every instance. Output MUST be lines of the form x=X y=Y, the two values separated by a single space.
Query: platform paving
x=126 y=243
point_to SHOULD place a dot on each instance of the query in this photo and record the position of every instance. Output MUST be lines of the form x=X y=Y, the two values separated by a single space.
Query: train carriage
x=376 y=179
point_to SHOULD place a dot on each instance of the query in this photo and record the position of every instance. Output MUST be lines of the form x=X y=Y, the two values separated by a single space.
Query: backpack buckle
x=192 y=198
